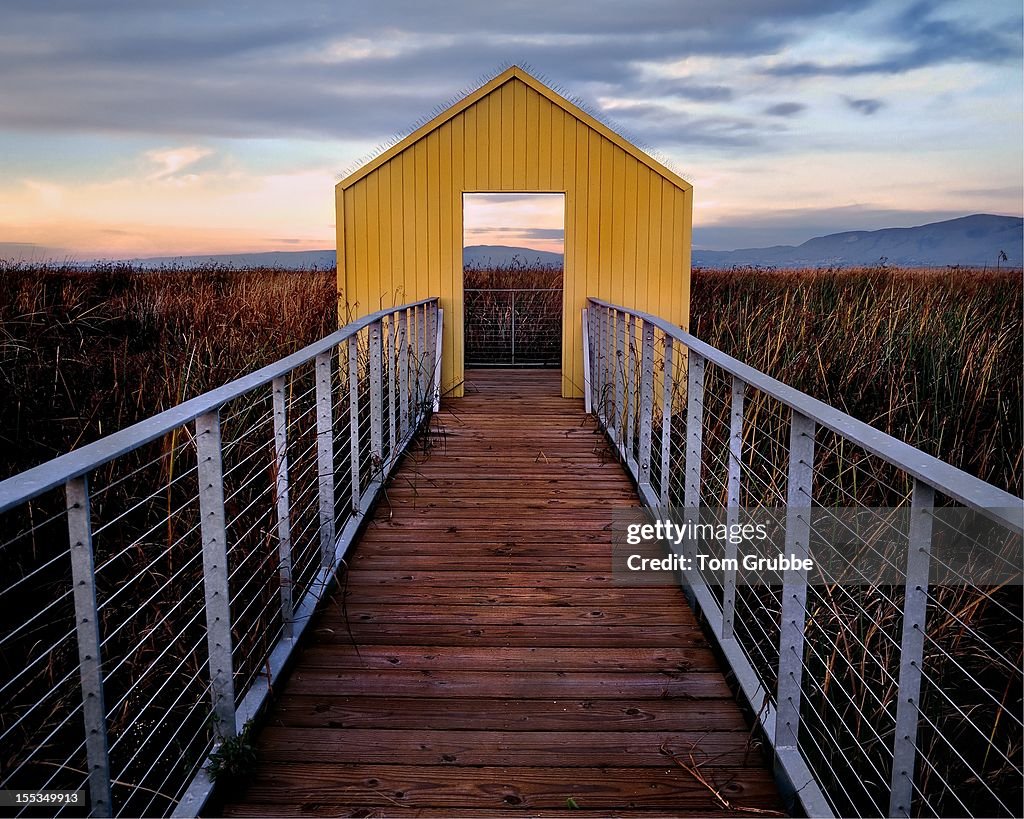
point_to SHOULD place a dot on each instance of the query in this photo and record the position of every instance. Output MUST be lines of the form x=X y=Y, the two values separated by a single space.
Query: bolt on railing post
x=915 y=610
x=87 y=627
x=376 y=398
x=325 y=453
x=646 y=402
x=794 y=582
x=215 y=571
x=666 y=425
x=403 y=370
x=631 y=396
x=353 y=419
x=620 y=379
x=588 y=362
x=733 y=505
x=281 y=493
x=389 y=355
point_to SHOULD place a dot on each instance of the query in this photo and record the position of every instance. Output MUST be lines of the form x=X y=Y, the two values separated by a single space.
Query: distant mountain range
x=971 y=240
x=503 y=256
x=283 y=259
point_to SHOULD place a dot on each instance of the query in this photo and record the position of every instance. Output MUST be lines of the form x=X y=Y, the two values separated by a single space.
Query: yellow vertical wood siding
x=627 y=219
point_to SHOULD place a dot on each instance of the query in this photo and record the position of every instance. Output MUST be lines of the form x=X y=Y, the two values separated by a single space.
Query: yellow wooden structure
x=627 y=217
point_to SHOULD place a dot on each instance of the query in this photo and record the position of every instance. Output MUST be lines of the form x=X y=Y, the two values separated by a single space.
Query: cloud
x=865 y=106
x=171 y=162
x=522 y=232
x=47 y=194
x=932 y=40
x=669 y=127
x=348 y=71
x=785 y=109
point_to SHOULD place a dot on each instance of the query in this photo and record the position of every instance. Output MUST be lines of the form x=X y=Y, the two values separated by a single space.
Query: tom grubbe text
x=670 y=532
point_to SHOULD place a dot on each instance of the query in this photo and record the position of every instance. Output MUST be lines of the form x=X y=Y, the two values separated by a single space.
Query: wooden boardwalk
x=480 y=661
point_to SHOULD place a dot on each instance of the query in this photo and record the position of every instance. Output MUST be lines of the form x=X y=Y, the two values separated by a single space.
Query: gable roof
x=515 y=72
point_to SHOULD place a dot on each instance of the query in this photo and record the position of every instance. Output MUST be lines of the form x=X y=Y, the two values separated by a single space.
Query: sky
x=132 y=128
x=535 y=220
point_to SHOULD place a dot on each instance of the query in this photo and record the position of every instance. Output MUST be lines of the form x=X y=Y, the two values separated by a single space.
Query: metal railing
x=157 y=580
x=513 y=326
x=894 y=698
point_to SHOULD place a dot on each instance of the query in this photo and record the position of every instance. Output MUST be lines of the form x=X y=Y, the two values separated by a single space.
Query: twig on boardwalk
x=693 y=769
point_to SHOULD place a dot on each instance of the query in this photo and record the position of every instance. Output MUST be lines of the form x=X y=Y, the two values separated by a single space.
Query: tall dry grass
x=86 y=352
x=933 y=357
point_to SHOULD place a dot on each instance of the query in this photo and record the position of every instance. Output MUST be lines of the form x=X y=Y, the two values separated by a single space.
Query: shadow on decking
x=477 y=657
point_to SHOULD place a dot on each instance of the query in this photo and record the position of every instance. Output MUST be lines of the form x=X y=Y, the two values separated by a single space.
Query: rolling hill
x=970 y=240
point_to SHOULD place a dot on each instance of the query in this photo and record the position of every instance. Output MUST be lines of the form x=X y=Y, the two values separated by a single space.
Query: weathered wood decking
x=492 y=666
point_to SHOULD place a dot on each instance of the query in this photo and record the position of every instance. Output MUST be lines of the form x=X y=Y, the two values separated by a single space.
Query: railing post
x=695 y=365
x=215 y=572
x=420 y=319
x=284 y=531
x=915 y=609
x=376 y=399
x=646 y=402
x=403 y=370
x=620 y=378
x=794 y=582
x=733 y=505
x=601 y=362
x=87 y=626
x=512 y=316
x=588 y=354
x=605 y=364
x=437 y=350
x=325 y=454
x=630 y=439
x=389 y=354
x=353 y=419
x=666 y=425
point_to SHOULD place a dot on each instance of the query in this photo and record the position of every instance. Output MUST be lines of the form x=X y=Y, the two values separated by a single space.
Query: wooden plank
x=524 y=564
x=565 y=749
x=484 y=658
x=510 y=714
x=455 y=634
x=501 y=548
x=499 y=684
x=519 y=615
x=521 y=787
x=520 y=596
x=380 y=531
x=455 y=577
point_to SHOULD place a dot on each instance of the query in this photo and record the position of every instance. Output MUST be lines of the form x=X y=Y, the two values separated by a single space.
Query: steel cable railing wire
x=970 y=735
x=147 y=540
